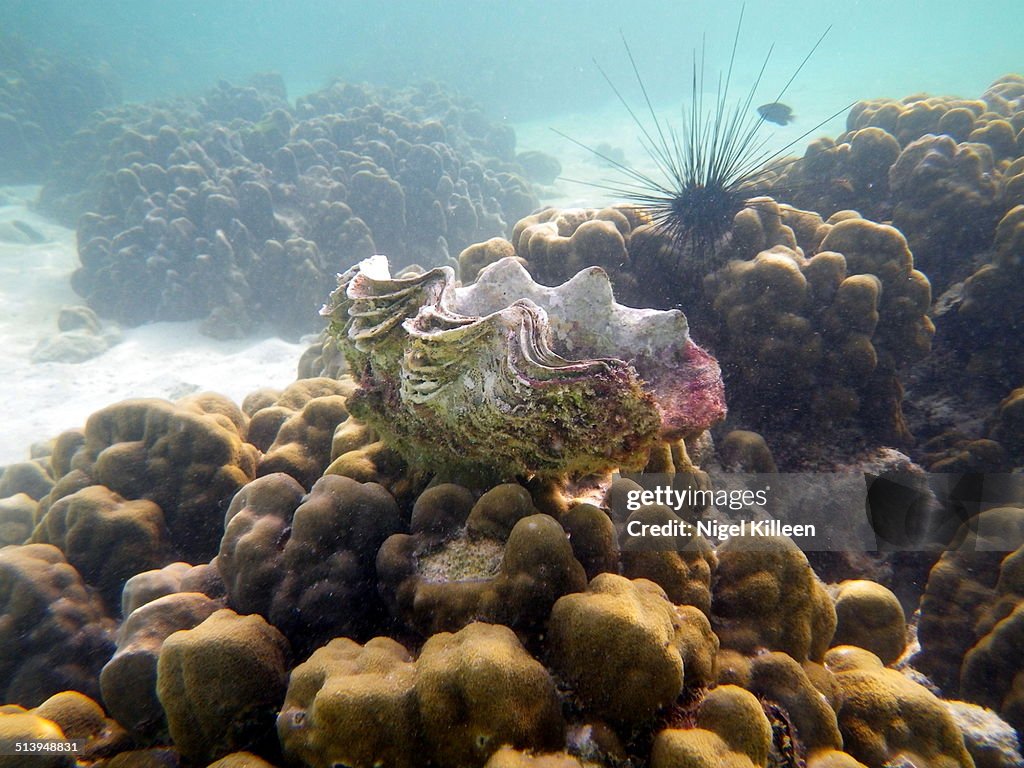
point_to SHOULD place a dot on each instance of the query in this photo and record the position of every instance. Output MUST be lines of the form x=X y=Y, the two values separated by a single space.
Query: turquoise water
x=529 y=59
x=179 y=432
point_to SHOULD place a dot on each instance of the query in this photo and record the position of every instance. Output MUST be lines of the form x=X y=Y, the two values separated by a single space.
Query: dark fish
x=777 y=113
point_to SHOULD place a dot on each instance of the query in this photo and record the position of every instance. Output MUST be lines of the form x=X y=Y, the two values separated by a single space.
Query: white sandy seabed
x=169 y=360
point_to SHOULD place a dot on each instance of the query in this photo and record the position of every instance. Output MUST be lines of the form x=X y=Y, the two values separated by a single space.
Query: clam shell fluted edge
x=507 y=377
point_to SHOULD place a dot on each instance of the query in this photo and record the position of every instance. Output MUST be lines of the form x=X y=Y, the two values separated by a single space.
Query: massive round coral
x=496 y=559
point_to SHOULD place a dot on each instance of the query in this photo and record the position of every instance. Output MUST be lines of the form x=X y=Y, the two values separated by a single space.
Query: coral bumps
x=457 y=676
x=627 y=650
x=942 y=169
x=812 y=321
x=221 y=683
x=54 y=632
x=500 y=561
x=188 y=458
x=306 y=561
x=468 y=694
x=732 y=731
x=769 y=597
x=237 y=208
x=458 y=628
x=885 y=716
x=971 y=616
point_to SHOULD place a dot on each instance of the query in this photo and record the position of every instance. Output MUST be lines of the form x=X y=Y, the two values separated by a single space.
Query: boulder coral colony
x=410 y=556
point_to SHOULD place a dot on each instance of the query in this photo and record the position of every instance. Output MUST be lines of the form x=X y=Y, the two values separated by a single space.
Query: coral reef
x=479 y=255
x=870 y=616
x=106 y=538
x=942 y=169
x=295 y=430
x=496 y=560
x=808 y=702
x=128 y=680
x=44 y=98
x=747 y=451
x=467 y=695
x=16 y=518
x=989 y=314
x=833 y=309
x=457 y=377
x=731 y=731
x=269 y=409
x=54 y=632
x=948 y=201
x=920 y=730
x=188 y=458
x=966 y=595
x=478 y=690
x=358 y=452
x=947 y=173
x=990 y=669
x=26 y=477
x=592 y=537
x=769 y=597
x=306 y=561
x=83 y=720
x=353 y=705
x=684 y=570
x=236 y=208
x=418 y=554
x=19 y=724
x=22 y=485
x=221 y=684
x=626 y=650
x=1008 y=425
x=177 y=577
x=967 y=390
x=715 y=661
x=848 y=318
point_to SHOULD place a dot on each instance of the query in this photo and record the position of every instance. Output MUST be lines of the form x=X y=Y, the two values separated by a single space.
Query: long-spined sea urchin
x=711 y=166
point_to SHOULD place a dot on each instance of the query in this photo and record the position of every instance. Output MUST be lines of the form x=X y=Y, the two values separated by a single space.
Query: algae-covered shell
x=480 y=378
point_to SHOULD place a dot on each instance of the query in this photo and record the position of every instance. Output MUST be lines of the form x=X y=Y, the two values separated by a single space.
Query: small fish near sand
x=777 y=113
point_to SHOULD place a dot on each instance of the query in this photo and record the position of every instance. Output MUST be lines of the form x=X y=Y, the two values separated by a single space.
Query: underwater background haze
x=531 y=58
x=511 y=385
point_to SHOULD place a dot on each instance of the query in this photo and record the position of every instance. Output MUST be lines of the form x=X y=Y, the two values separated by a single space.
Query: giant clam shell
x=507 y=377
